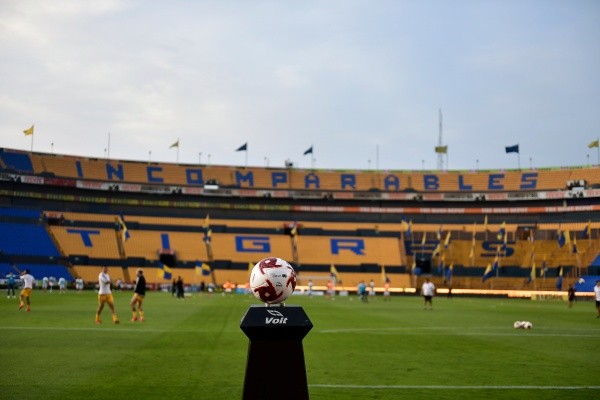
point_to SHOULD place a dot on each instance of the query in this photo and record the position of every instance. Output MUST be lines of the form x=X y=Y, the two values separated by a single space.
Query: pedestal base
x=275 y=368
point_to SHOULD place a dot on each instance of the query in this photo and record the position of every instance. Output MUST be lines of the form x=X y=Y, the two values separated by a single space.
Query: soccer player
x=105 y=296
x=62 y=284
x=79 y=284
x=28 y=281
x=10 y=281
x=138 y=296
x=428 y=291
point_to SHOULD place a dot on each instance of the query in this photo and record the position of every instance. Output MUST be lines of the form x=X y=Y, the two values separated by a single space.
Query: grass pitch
x=466 y=348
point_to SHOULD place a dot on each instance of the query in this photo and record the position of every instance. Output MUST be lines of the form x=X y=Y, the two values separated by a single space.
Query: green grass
x=464 y=349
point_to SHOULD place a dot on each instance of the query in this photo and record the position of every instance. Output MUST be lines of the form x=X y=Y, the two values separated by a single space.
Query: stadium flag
x=206 y=270
x=243 y=147
x=407 y=226
x=472 y=253
x=587 y=230
x=198 y=268
x=485 y=223
x=567 y=237
x=449 y=272
x=595 y=143
x=123 y=228
x=29 y=131
x=441 y=264
x=574 y=245
x=415 y=270
x=561 y=239
x=447 y=241
x=176 y=144
x=424 y=239
x=559 y=281
x=532 y=274
x=334 y=273
x=208 y=236
x=512 y=149
x=501 y=231
x=505 y=241
x=439 y=234
x=488 y=273
x=384 y=277
x=206 y=222
x=294 y=229
x=543 y=269
x=436 y=251
x=308 y=151
x=164 y=272
x=441 y=149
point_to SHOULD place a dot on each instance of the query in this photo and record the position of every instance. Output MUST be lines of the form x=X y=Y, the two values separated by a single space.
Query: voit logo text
x=276 y=318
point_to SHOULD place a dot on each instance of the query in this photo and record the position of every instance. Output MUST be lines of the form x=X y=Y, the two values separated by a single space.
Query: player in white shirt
x=62 y=284
x=28 y=281
x=428 y=291
x=105 y=296
x=79 y=284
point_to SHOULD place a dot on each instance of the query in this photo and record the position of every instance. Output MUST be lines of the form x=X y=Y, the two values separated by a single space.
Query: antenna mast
x=440 y=163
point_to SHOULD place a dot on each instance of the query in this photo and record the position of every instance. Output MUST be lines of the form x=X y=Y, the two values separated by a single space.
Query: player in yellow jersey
x=28 y=281
x=105 y=296
x=138 y=296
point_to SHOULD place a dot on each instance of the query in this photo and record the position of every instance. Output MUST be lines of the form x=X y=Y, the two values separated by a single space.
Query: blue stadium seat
x=17 y=161
x=26 y=239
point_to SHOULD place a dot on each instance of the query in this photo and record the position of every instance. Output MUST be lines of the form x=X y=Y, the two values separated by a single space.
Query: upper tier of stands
x=121 y=171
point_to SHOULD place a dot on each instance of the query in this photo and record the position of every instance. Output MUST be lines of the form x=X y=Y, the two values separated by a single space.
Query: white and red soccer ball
x=523 y=325
x=272 y=280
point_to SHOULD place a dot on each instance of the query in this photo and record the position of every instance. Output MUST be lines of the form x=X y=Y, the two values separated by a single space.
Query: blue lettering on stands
x=494 y=182
x=348 y=180
x=252 y=244
x=194 y=176
x=311 y=179
x=249 y=178
x=164 y=239
x=79 y=169
x=110 y=171
x=151 y=178
x=461 y=184
x=431 y=182
x=529 y=180
x=492 y=246
x=357 y=246
x=277 y=178
x=391 y=182
x=85 y=235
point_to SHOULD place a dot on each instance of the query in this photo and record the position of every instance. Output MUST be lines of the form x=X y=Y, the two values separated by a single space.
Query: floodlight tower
x=440 y=163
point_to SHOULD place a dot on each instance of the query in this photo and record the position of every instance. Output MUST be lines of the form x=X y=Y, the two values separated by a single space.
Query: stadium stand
x=359 y=221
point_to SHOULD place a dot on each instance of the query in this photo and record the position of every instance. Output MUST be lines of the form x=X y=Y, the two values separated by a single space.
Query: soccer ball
x=272 y=280
x=527 y=325
x=518 y=325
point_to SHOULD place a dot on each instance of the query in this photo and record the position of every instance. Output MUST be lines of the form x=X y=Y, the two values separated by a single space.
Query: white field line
x=453 y=387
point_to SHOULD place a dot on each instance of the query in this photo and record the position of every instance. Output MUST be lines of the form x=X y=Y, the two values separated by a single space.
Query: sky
x=361 y=82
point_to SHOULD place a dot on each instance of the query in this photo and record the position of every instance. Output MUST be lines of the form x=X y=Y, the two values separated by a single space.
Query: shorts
x=26 y=292
x=105 y=298
x=428 y=298
x=137 y=297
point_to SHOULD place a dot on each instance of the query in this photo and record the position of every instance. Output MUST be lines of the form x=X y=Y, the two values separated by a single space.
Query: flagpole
x=32 y=142
x=598 y=150
x=108 y=147
x=519 y=156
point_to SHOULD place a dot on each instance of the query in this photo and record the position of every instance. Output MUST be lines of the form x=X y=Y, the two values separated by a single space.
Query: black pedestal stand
x=275 y=367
